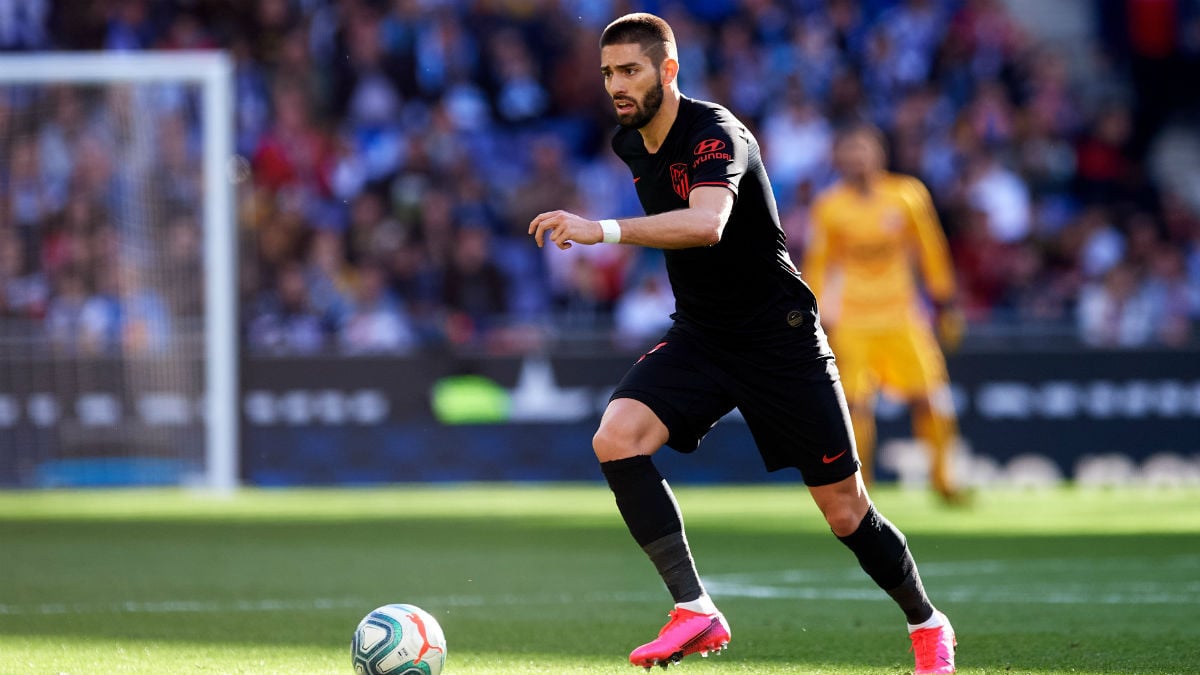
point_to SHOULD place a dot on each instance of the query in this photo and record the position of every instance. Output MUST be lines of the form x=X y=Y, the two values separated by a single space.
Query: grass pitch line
x=1044 y=581
x=313 y=604
x=1164 y=594
x=767 y=586
x=1045 y=584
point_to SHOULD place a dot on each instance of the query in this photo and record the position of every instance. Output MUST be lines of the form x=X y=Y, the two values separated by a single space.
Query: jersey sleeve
x=816 y=254
x=719 y=155
x=937 y=271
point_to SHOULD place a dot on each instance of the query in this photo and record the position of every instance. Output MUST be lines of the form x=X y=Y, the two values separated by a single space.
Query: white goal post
x=212 y=72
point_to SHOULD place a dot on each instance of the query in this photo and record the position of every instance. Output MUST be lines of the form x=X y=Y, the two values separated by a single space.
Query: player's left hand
x=951 y=325
x=563 y=227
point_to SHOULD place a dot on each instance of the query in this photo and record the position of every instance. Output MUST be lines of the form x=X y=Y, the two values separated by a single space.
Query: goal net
x=117 y=268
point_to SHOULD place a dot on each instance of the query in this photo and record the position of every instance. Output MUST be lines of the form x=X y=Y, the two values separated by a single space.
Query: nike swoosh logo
x=830 y=460
x=636 y=179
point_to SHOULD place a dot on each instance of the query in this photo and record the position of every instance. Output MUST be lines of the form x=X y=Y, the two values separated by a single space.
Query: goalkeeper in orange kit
x=874 y=235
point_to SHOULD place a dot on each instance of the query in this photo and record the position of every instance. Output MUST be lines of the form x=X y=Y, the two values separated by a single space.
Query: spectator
x=294 y=153
x=30 y=201
x=1115 y=311
x=64 y=317
x=329 y=278
x=124 y=315
x=1002 y=196
x=446 y=55
x=914 y=28
x=1174 y=303
x=1104 y=166
x=815 y=57
x=644 y=311
x=183 y=266
x=520 y=96
x=23 y=25
x=57 y=138
x=129 y=26
x=285 y=322
x=23 y=290
x=187 y=32
x=797 y=140
x=1102 y=245
x=367 y=95
x=476 y=292
x=176 y=178
x=70 y=243
x=376 y=323
x=981 y=260
x=547 y=185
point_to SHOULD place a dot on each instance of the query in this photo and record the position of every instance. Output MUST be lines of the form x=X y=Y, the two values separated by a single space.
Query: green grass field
x=528 y=579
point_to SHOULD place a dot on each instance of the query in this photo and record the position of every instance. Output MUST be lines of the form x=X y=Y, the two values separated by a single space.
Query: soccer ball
x=398 y=640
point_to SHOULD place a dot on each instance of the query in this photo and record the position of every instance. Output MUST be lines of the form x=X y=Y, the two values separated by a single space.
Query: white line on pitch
x=317 y=604
x=796 y=584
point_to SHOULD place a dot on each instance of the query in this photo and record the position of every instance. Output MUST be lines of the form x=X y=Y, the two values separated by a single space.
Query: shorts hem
x=666 y=414
x=828 y=479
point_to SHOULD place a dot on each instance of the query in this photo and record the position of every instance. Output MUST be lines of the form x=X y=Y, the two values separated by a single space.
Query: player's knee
x=844 y=504
x=614 y=441
x=628 y=429
x=611 y=443
x=844 y=521
x=941 y=402
x=845 y=515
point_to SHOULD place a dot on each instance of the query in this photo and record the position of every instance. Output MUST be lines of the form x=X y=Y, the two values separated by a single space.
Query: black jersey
x=746 y=283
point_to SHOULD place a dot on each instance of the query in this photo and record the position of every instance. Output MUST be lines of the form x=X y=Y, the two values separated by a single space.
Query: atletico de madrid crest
x=679 y=179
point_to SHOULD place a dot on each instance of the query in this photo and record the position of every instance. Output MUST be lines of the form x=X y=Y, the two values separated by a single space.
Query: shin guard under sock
x=883 y=554
x=652 y=516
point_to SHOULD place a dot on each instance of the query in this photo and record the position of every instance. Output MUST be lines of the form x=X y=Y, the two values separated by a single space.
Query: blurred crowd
x=395 y=152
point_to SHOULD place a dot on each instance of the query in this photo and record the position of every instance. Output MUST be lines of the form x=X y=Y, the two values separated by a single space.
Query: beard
x=643 y=111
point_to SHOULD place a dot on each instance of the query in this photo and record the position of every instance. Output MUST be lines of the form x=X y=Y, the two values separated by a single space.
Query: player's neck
x=656 y=130
x=863 y=185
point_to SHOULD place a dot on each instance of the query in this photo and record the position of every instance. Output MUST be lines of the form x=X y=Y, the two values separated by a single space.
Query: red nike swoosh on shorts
x=830 y=460
x=635 y=180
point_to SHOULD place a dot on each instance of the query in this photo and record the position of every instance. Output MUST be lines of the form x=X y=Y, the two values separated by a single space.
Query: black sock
x=652 y=516
x=884 y=556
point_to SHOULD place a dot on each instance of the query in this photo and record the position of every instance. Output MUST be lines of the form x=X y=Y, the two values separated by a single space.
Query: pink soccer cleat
x=934 y=649
x=686 y=633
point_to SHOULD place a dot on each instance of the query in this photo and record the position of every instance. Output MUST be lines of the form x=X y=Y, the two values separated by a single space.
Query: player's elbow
x=712 y=227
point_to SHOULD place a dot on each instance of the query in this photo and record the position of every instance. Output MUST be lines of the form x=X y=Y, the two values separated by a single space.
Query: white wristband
x=612 y=231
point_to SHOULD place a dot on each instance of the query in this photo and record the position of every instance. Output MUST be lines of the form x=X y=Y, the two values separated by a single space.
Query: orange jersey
x=866 y=252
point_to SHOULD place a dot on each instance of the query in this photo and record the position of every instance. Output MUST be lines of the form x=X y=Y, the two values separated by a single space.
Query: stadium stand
x=399 y=149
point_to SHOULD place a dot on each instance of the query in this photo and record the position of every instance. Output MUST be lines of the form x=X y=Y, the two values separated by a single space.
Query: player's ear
x=669 y=71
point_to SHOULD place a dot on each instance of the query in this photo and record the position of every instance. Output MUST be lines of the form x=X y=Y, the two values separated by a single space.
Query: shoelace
x=925 y=644
x=673 y=616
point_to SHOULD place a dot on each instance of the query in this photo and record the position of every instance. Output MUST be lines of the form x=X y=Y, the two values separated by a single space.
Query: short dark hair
x=860 y=127
x=651 y=32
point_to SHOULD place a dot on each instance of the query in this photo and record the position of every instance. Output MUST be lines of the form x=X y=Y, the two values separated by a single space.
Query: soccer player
x=745 y=335
x=873 y=234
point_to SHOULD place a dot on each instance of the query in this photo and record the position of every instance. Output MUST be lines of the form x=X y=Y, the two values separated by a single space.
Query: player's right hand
x=564 y=227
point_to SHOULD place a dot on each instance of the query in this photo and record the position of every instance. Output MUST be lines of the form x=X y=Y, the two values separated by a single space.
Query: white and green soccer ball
x=398 y=640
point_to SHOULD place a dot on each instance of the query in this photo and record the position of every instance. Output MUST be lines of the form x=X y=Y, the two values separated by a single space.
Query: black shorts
x=787 y=389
